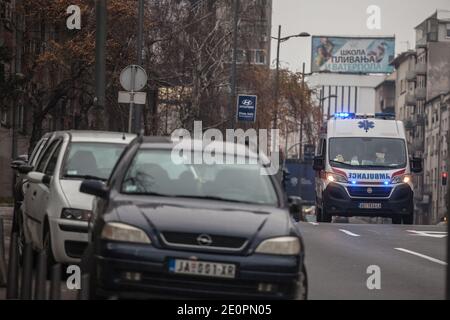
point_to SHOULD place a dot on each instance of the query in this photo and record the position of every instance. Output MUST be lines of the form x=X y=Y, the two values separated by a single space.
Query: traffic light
x=444 y=178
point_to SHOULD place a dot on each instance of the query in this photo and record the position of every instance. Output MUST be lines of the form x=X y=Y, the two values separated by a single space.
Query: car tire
x=408 y=219
x=397 y=219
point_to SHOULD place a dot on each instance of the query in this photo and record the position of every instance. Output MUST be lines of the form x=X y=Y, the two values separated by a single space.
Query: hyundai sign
x=352 y=55
x=246 y=108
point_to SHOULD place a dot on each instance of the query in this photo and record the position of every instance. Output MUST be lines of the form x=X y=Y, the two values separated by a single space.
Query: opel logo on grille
x=369 y=190
x=204 y=240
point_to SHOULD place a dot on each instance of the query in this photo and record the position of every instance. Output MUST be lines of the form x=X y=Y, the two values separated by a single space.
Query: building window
x=260 y=57
x=448 y=30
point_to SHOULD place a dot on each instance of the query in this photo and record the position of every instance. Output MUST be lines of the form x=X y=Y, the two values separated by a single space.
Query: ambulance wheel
x=322 y=216
x=409 y=219
x=326 y=217
x=397 y=219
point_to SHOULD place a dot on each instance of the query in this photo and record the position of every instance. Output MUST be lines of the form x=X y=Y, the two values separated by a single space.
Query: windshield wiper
x=343 y=163
x=84 y=176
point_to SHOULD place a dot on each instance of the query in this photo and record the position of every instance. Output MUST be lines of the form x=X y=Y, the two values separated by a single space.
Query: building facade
x=422 y=83
x=385 y=95
x=345 y=92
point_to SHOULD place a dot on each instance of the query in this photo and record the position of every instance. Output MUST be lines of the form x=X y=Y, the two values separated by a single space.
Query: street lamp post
x=277 y=72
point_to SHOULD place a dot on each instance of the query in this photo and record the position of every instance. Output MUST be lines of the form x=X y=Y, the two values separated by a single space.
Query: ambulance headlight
x=333 y=177
x=406 y=178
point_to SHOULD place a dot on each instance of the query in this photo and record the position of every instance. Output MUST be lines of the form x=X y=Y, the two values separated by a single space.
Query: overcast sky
x=344 y=17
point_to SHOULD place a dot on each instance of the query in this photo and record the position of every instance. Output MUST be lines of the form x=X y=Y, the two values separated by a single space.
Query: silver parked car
x=55 y=213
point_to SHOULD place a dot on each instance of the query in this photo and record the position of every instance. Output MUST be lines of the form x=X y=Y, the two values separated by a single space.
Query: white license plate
x=202 y=268
x=370 y=205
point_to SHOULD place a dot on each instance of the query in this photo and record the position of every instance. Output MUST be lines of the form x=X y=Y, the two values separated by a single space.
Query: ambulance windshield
x=366 y=153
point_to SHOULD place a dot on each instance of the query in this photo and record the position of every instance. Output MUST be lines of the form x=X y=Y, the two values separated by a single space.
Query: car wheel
x=302 y=289
x=408 y=219
x=397 y=219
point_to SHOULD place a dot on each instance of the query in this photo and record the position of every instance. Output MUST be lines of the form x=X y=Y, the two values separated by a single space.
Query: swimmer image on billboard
x=352 y=55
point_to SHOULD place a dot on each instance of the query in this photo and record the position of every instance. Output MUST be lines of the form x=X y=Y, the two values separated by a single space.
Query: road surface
x=412 y=260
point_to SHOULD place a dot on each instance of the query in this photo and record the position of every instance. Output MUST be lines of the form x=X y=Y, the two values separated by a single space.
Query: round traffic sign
x=133 y=78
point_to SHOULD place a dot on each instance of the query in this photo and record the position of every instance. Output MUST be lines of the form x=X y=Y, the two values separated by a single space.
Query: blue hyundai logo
x=247 y=102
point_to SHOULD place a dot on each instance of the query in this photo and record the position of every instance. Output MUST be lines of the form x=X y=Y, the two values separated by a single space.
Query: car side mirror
x=38 y=177
x=295 y=207
x=94 y=188
x=16 y=164
x=319 y=164
x=416 y=165
x=25 y=169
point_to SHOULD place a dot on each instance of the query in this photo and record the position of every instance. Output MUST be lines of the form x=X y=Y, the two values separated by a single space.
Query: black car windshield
x=91 y=160
x=366 y=153
x=153 y=172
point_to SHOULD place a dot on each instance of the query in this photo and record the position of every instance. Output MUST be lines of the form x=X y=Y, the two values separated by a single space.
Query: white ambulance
x=363 y=169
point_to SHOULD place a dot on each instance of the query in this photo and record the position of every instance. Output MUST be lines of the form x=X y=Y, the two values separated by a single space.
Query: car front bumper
x=337 y=201
x=69 y=239
x=254 y=274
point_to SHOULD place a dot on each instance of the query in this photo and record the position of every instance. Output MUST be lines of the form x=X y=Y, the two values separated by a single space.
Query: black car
x=171 y=229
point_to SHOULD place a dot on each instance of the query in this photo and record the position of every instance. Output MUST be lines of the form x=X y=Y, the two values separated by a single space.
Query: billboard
x=352 y=54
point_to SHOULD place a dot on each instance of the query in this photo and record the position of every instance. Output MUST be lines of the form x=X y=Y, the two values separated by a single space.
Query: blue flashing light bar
x=344 y=115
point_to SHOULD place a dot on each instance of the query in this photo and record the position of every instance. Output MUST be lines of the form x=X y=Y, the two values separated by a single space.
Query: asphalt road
x=412 y=263
x=412 y=259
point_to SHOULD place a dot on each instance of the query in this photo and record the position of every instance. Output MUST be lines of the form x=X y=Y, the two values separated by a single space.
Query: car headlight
x=122 y=232
x=76 y=214
x=333 y=177
x=287 y=246
x=406 y=178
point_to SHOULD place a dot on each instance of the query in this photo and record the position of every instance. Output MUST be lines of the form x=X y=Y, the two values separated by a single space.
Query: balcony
x=410 y=100
x=421 y=69
x=411 y=75
x=420 y=93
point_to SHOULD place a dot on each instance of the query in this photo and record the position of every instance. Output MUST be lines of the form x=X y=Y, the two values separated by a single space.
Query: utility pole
x=100 y=56
x=302 y=113
x=137 y=109
x=277 y=81
x=233 y=93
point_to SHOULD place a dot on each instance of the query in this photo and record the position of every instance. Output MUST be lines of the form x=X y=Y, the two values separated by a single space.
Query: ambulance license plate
x=370 y=205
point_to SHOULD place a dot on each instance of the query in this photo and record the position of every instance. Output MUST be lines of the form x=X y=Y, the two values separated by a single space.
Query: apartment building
x=422 y=84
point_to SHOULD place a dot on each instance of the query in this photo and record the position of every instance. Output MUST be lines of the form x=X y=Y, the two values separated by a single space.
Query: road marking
x=313 y=223
x=349 y=233
x=430 y=234
x=443 y=263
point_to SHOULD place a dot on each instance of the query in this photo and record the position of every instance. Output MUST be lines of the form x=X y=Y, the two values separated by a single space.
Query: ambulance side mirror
x=416 y=165
x=319 y=164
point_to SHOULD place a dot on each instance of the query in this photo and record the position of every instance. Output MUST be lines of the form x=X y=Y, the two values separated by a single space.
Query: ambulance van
x=363 y=169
